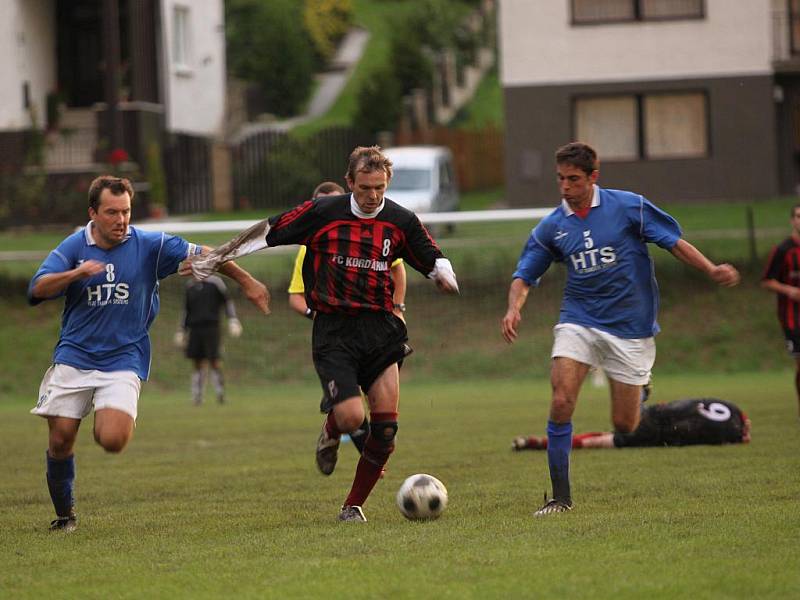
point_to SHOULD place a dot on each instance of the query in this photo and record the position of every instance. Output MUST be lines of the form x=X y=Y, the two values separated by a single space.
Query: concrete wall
x=195 y=91
x=540 y=45
x=27 y=54
x=742 y=145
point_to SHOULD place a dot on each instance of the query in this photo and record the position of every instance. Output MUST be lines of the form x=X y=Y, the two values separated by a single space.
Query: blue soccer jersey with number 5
x=611 y=282
x=107 y=316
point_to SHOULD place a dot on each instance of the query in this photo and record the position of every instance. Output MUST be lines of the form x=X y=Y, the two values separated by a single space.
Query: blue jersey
x=611 y=282
x=107 y=316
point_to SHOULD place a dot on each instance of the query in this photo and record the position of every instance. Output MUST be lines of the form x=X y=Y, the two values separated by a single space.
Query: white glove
x=234 y=328
x=444 y=276
x=180 y=339
x=250 y=240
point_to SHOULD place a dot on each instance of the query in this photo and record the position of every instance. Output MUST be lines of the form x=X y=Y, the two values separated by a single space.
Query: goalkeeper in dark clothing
x=205 y=300
x=357 y=341
x=681 y=423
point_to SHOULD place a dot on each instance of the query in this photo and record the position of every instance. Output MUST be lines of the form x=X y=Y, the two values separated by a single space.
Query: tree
x=268 y=45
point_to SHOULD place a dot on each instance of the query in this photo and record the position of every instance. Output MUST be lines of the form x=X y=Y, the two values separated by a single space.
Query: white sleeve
x=250 y=240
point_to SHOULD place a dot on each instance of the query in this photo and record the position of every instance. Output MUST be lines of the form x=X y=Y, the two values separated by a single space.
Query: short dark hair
x=327 y=187
x=368 y=159
x=117 y=185
x=579 y=155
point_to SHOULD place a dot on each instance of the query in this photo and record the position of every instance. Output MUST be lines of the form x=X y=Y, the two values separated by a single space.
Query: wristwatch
x=401 y=306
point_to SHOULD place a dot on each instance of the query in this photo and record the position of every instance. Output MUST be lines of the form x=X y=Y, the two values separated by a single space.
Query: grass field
x=226 y=502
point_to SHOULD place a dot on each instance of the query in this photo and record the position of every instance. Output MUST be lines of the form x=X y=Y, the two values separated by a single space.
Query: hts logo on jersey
x=108 y=293
x=592 y=259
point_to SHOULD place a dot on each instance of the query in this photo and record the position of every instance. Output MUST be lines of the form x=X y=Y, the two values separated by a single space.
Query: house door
x=80 y=51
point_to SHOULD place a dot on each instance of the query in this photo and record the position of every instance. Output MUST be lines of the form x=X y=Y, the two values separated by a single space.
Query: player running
x=680 y=423
x=782 y=276
x=108 y=273
x=357 y=341
x=608 y=312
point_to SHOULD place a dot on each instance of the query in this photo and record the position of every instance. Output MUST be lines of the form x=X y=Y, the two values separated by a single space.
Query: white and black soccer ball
x=422 y=497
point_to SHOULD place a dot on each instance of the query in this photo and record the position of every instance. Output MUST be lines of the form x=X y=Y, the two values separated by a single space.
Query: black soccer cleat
x=553 y=506
x=69 y=523
x=353 y=514
x=327 y=452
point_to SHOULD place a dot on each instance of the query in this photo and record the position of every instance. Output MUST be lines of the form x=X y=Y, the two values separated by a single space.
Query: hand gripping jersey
x=349 y=257
x=611 y=282
x=106 y=317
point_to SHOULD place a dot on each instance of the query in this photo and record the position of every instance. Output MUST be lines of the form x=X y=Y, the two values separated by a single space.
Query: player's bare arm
x=790 y=291
x=399 y=296
x=724 y=274
x=55 y=283
x=255 y=291
x=517 y=295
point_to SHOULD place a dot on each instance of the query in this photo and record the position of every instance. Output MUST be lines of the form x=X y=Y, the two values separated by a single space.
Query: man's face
x=111 y=218
x=796 y=221
x=575 y=185
x=368 y=189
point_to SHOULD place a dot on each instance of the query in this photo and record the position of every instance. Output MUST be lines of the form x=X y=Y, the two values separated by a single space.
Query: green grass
x=225 y=501
x=485 y=109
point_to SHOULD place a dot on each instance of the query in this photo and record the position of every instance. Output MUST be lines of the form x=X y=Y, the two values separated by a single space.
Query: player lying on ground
x=357 y=341
x=108 y=273
x=679 y=423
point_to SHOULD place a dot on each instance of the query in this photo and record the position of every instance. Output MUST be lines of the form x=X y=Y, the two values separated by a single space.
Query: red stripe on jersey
x=294 y=214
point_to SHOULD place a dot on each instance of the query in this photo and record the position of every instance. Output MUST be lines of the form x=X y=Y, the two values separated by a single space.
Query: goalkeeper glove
x=234 y=328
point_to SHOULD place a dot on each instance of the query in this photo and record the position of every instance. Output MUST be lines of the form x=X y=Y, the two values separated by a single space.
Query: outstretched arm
x=723 y=274
x=255 y=291
x=517 y=295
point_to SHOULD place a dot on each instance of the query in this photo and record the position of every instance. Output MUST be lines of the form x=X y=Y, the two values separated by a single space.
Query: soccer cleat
x=327 y=452
x=553 y=506
x=69 y=523
x=352 y=513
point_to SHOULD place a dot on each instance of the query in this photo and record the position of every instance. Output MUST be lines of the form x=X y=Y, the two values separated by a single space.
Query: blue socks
x=60 y=480
x=559 y=445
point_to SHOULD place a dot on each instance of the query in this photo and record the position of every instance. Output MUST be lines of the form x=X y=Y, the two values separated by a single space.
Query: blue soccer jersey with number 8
x=107 y=316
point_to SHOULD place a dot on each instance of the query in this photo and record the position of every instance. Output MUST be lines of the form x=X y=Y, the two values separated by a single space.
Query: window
x=615 y=11
x=181 y=39
x=644 y=126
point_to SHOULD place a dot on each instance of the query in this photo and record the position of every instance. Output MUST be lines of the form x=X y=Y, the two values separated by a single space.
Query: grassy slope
x=225 y=501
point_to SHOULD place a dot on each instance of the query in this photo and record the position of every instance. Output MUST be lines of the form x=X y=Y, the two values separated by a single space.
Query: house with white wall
x=683 y=99
x=103 y=75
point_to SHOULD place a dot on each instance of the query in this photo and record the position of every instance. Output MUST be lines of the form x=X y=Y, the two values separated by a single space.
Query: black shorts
x=203 y=342
x=350 y=352
x=792 y=342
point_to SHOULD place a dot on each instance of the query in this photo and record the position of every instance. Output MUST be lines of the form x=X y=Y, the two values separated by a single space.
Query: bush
x=293 y=166
x=411 y=64
x=379 y=102
x=326 y=22
x=268 y=45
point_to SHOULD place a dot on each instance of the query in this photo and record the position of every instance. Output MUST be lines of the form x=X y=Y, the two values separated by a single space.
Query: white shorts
x=625 y=360
x=69 y=392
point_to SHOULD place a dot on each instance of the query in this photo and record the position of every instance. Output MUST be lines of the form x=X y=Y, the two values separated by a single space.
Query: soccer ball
x=422 y=497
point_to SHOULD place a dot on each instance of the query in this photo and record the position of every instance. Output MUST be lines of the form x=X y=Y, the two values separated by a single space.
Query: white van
x=423 y=178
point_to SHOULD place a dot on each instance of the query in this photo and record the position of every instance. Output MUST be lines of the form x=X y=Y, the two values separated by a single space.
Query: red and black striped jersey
x=784 y=266
x=348 y=258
